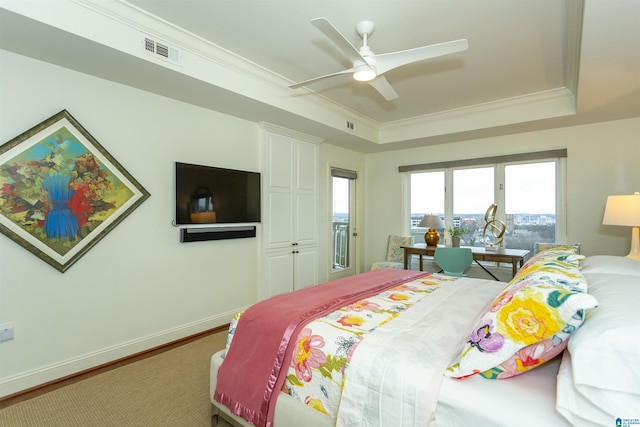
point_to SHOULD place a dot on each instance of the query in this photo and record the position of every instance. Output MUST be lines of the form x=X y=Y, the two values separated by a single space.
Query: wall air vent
x=160 y=50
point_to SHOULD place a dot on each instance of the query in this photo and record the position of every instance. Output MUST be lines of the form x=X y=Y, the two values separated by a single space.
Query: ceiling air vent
x=161 y=50
x=351 y=125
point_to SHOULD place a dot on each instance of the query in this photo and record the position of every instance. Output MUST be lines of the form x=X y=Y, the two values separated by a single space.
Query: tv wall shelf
x=216 y=233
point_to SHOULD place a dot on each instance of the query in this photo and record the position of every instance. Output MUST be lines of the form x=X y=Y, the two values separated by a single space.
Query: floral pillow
x=559 y=265
x=553 y=267
x=575 y=282
x=554 y=272
x=564 y=254
x=528 y=324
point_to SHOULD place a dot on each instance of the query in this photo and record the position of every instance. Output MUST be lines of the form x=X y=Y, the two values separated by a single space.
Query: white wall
x=603 y=159
x=138 y=287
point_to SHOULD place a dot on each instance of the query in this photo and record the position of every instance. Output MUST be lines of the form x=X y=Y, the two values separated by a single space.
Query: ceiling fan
x=369 y=67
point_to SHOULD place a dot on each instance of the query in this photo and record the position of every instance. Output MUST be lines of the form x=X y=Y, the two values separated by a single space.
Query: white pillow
x=611 y=264
x=579 y=410
x=600 y=382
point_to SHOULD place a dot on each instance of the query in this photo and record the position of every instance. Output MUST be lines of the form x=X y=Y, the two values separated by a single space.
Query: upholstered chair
x=395 y=254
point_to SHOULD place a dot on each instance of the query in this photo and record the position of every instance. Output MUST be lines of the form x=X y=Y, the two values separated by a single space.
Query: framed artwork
x=61 y=191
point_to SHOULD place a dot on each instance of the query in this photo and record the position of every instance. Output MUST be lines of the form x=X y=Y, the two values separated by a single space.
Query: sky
x=529 y=188
x=340 y=195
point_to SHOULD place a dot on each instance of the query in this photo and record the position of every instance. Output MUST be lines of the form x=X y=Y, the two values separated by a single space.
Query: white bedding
x=398 y=384
x=473 y=402
x=599 y=378
x=526 y=400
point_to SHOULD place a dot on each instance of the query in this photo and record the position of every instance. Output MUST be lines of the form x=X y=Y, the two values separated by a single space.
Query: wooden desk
x=515 y=257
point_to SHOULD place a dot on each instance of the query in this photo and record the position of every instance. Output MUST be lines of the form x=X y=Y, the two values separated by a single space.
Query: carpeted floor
x=169 y=389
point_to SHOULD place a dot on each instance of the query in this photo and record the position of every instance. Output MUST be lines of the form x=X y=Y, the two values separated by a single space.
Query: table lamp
x=625 y=210
x=432 y=223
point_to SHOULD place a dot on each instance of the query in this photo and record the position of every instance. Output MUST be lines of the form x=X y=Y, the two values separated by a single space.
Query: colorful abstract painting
x=61 y=191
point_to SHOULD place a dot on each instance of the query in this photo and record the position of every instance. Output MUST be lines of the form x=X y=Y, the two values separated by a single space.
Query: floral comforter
x=324 y=348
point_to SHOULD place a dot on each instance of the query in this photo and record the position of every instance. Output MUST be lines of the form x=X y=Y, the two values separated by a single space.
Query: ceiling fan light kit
x=363 y=73
x=368 y=67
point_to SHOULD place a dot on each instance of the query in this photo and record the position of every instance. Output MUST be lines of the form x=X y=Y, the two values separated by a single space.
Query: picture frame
x=61 y=192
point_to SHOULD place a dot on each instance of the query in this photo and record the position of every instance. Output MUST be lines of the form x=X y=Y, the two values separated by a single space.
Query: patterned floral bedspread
x=324 y=347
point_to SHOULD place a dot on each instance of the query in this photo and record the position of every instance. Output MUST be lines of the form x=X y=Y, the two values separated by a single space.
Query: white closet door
x=306 y=267
x=279 y=273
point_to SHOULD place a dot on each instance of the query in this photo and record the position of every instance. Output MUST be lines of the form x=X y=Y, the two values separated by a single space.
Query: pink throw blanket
x=249 y=378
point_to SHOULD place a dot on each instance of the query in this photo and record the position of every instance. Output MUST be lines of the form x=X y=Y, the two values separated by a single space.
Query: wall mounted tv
x=212 y=195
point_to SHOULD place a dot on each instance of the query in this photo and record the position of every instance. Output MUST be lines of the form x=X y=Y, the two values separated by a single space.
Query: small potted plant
x=455 y=233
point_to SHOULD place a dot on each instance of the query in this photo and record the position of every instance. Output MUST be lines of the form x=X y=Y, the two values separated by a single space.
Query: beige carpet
x=169 y=389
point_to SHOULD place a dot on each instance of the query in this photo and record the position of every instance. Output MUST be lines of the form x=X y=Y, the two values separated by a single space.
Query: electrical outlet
x=6 y=331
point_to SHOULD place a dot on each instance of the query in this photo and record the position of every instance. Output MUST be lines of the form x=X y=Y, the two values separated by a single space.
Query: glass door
x=344 y=233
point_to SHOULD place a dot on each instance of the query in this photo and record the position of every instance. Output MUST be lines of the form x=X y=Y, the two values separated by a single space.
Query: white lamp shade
x=623 y=210
x=432 y=221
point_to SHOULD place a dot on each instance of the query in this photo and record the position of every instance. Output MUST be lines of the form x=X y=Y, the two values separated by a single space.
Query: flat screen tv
x=212 y=195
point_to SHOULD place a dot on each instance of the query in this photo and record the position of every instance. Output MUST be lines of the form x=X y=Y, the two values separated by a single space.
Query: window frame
x=499 y=163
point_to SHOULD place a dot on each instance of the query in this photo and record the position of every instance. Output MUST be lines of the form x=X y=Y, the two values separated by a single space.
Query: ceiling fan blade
x=388 y=61
x=315 y=79
x=336 y=37
x=382 y=85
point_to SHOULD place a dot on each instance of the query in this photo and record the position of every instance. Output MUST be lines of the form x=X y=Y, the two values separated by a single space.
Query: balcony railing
x=340 y=245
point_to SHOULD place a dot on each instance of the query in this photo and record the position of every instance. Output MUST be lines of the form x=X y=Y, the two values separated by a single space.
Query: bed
x=557 y=345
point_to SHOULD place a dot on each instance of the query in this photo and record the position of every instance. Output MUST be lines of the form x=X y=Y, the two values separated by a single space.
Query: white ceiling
x=530 y=64
x=516 y=47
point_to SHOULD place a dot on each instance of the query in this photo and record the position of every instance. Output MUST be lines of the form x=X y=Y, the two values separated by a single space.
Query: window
x=530 y=204
x=525 y=188
x=473 y=190
x=427 y=197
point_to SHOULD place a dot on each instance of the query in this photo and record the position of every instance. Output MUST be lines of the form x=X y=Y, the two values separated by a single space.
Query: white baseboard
x=40 y=376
